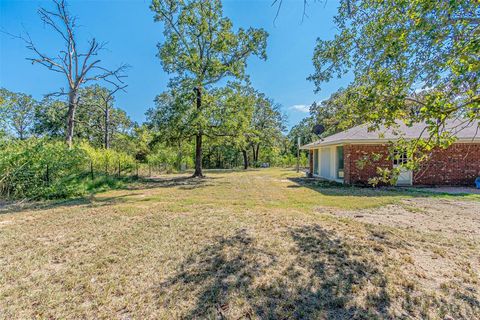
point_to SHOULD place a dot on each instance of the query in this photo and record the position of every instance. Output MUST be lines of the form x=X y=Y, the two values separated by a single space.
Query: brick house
x=341 y=157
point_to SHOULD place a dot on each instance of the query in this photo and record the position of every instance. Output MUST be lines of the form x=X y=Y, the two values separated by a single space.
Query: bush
x=45 y=169
x=109 y=161
x=36 y=168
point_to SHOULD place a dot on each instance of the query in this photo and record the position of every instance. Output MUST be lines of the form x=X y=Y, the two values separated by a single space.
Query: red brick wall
x=457 y=165
x=355 y=174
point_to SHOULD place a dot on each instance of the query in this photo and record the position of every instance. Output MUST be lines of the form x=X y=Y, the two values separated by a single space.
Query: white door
x=405 y=177
x=325 y=163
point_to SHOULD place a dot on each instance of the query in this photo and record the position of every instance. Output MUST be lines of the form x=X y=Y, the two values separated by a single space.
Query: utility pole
x=298 y=155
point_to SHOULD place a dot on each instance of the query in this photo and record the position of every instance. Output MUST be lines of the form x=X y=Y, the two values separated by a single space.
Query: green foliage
x=50 y=119
x=414 y=61
x=95 y=102
x=109 y=161
x=275 y=158
x=264 y=130
x=200 y=44
x=201 y=49
x=39 y=169
x=17 y=112
x=302 y=130
x=164 y=157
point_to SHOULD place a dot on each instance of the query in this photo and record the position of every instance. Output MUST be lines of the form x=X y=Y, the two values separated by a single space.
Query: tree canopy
x=17 y=113
x=411 y=60
x=200 y=49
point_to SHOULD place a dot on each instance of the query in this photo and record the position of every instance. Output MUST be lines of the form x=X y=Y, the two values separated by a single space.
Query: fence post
x=91 y=169
x=47 y=178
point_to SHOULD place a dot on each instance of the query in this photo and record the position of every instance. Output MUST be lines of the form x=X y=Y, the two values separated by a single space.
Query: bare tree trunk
x=198 y=156
x=257 y=152
x=72 y=106
x=179 y=156
x=198 y=140
x=107 y=126
x=245 y=159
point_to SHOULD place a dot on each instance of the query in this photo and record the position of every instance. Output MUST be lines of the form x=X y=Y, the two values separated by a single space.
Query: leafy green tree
x=201 y=49
x=97 y=120
x=137 y=142
x=17 y=112
x=302 y=130
x=225 y=120
x=50 y=116
x=100 y=116
x=411 y=60
x=267 y=125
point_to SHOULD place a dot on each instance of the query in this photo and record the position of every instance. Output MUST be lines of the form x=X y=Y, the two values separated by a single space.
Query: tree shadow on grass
x=179 y=181
x=182 y=182
x=324 y=280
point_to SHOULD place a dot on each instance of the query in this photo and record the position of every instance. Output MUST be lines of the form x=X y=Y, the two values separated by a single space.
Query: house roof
x=463 y=131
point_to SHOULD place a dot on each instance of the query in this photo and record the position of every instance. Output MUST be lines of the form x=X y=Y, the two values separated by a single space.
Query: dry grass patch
x=259 y=244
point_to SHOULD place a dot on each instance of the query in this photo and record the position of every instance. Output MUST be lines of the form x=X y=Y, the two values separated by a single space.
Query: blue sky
x=128 y=27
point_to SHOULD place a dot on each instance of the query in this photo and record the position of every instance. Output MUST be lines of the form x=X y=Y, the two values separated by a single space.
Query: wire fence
x=58 y=180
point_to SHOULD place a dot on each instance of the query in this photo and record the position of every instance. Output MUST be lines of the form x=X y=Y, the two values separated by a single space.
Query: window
x=400 y=157
x=340 y=162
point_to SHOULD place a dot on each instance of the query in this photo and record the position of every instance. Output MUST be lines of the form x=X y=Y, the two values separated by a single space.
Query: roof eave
x=317 y=144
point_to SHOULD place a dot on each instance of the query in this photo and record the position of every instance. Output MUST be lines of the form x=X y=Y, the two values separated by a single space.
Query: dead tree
x=78 y=67
x=104 y=103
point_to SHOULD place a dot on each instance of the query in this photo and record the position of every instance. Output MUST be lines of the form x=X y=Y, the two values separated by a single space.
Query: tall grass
x=45 y=169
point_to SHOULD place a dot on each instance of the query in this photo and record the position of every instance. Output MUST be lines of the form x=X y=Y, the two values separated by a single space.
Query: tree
x=302 y=130
x=412 y=60
x=98 y=101
x=17 y=111
x=201 y=49
x=90 y=121
x=268 y=123
x=78 y=67
x=225 y=119
x=232 y=117
x=49 y=119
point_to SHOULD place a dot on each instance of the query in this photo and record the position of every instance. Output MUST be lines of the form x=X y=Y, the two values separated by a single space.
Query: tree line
x=221 y=125
x=419 y=64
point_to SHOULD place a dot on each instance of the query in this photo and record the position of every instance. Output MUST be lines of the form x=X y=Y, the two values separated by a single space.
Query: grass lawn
x=260 y=244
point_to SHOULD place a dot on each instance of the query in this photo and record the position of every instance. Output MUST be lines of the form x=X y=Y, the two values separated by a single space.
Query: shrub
x=45 y=169
x=37 y=168
x=164 y=157
x=108 y=161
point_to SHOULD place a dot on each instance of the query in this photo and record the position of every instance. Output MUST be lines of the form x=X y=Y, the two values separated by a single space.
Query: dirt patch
x=450 y=217
x=439 y=248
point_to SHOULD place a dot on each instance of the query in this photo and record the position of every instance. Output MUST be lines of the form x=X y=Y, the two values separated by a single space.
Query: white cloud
x=301 y=108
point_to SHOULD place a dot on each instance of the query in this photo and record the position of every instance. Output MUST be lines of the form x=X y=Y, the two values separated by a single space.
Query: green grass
x=259 y=244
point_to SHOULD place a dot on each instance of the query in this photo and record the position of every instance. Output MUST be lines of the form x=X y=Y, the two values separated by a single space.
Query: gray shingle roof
x=360 y=134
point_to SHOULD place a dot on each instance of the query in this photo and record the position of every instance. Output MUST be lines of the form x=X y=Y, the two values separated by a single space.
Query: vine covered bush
x=37 y=168
x=45 y=169
x=108 y=161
